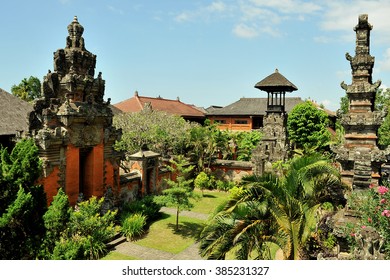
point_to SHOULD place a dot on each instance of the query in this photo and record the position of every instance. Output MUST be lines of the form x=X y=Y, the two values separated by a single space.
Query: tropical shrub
x=225 y=186
x=145 y=206
x=373 y=207
x=133 y=226
x=271 y=212
x=87 y=233
x=202 y=181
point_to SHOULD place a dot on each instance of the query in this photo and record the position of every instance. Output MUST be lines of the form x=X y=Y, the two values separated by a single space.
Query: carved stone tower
x=72 y=125
x=273 y=146
x=359 y=155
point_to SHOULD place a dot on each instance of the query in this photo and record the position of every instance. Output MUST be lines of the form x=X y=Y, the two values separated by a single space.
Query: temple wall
x=232 y=170
x=50 y=184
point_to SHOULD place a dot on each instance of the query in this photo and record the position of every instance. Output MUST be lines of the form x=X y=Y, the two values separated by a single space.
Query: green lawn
x=117 y=256
x=209 y=201
x=162 y=235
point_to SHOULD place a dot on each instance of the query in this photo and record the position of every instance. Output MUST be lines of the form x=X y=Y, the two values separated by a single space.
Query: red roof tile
x=175 y=107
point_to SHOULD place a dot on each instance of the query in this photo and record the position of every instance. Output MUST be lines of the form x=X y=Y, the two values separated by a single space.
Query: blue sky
x=207 y=52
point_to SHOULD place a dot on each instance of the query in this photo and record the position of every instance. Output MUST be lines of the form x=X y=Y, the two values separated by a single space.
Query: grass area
x=209 y=201
x=163 y=236
x=117 y=256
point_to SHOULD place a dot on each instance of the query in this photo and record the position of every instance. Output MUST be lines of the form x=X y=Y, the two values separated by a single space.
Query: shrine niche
x=72 y=125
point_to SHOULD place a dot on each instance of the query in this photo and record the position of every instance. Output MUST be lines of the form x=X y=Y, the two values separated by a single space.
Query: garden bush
x=133 y=226
x=225 y=185
x=145 y=206
x=373 y=207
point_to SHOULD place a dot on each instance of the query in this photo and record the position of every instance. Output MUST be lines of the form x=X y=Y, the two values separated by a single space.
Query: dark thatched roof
x=276 y=82
x=250 y=107
x=14 y=114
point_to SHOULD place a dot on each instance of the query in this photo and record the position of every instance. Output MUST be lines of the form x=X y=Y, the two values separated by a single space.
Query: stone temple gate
x=72 y=125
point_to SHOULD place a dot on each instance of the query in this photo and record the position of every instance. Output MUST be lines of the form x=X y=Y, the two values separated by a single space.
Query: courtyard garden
x=162 y=235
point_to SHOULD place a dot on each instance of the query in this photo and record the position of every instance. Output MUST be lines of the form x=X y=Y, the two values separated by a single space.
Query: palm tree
x=271 y=211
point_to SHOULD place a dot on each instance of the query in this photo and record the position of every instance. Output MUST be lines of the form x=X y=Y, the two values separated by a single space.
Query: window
x=220 y=121
x=257 y=122
x=240 y=121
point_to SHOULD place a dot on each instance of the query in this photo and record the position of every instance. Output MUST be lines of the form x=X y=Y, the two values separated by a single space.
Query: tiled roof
x=14 y=113
x=251 y=107
x=115 y=110
x=176 y=107
x=276 y=82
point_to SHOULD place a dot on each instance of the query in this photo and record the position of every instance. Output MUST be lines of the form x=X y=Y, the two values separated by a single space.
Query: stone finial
x=75 y=39
x=363 y=23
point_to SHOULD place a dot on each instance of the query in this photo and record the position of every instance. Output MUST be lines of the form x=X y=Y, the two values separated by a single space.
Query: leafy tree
x=246 y=142
x=308 y=126
x=271 y=211
x=22 y=202
x=180 y=190
x=382 y=102
x=56 y=220
x=161 y=132
x=27 y=89
x=344 y=104
x=205 y=142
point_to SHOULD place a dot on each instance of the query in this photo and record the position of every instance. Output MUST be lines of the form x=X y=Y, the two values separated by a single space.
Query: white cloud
x=289 y=6
x=384 y=65
x=343 y=16
x=215 y=8
x=244 y=31
x=183 y=17
x=264 y=16
x=254 y=14
x=115 y=10
x=218 y=6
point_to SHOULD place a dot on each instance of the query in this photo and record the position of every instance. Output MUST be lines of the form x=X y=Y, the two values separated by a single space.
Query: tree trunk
x=177 y=218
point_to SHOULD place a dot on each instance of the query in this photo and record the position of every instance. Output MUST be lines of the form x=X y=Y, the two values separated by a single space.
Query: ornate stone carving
x=71 y=114
x=361 y=123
